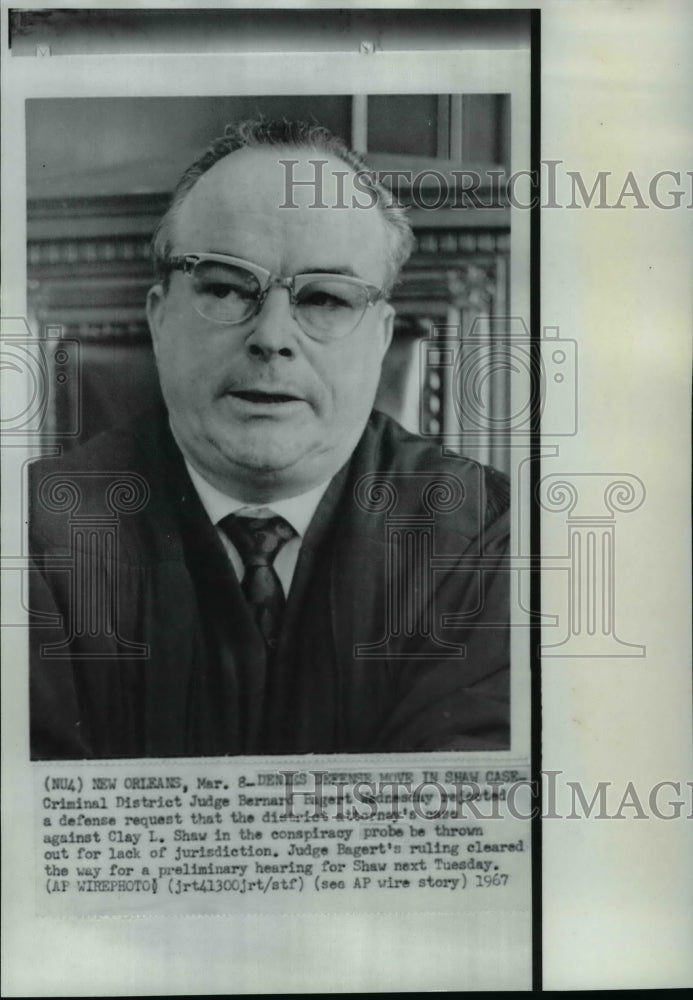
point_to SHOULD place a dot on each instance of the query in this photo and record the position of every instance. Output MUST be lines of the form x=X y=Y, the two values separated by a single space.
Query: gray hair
x=285 y=133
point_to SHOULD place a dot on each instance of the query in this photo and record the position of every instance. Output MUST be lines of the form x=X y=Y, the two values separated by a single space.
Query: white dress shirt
x=298 y=511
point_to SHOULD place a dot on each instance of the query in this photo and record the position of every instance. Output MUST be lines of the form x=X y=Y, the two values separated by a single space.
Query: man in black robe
x=267 y=565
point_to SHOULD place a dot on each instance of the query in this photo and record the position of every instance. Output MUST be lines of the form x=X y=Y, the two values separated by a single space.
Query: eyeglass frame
x=186 y=263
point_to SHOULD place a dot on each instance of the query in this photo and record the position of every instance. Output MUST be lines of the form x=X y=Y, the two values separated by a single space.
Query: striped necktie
x=258 y=540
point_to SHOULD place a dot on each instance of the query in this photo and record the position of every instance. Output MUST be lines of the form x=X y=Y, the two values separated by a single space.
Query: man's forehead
x=260 y=188
x=283 y=175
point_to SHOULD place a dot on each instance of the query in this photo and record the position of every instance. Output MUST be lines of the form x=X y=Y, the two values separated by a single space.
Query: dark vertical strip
x=535 y=444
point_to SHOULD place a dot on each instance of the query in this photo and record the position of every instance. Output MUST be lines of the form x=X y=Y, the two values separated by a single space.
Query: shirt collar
x=298 y=511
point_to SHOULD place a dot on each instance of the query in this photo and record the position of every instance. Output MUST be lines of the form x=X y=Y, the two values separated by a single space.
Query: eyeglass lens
x=228 y=293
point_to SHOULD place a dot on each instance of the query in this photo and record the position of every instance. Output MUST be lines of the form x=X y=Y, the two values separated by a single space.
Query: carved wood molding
x=53 y=253
x=441 y=242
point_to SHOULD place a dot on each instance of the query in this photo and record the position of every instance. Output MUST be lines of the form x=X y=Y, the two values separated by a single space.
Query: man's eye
x=218 y=290
x=325 y=300
x=223 y=290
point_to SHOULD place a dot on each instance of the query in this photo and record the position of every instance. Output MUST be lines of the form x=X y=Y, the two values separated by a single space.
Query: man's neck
x=297 y=510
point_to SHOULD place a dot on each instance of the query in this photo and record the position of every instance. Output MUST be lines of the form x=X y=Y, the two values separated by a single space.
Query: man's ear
x=156 y=304
x=387 y=326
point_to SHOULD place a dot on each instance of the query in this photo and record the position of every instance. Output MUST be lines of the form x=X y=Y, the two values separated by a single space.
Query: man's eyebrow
x=346 y=269
x=349 y=271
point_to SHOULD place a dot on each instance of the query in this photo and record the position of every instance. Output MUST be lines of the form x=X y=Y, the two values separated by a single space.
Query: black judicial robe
x=142 y=644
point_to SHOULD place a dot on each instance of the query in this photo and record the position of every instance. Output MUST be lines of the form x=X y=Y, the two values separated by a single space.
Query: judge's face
x=262 y=408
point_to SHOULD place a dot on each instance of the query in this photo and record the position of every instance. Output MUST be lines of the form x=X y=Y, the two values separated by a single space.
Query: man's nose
x=274 y=329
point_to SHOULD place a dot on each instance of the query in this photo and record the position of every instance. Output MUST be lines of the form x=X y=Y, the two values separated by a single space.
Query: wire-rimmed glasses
x=231 y=291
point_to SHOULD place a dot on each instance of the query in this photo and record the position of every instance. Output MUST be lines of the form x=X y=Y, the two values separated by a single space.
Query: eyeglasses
x=231 y=291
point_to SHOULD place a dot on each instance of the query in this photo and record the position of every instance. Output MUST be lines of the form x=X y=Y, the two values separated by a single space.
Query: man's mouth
x=255 y=396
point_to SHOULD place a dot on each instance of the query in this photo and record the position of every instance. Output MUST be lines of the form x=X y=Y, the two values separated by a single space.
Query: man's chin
x=266 y=457
x=266 y=463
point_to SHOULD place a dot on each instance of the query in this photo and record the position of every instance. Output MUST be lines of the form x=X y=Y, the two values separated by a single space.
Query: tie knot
x=258 y=539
